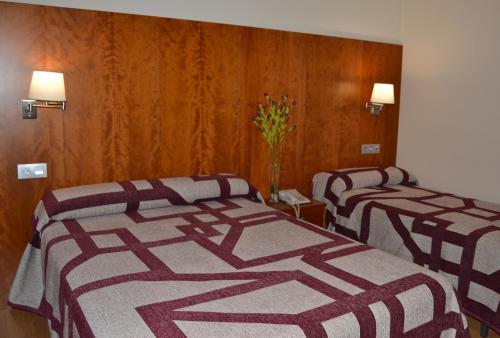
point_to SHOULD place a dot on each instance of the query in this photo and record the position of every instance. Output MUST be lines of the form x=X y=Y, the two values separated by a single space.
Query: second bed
x=455 y=236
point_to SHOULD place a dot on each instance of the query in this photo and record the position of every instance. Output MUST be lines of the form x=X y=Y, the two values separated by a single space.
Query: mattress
x=455 y=236
x=204 y=257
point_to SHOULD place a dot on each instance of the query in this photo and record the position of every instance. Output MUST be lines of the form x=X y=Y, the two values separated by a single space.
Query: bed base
x=483 y=332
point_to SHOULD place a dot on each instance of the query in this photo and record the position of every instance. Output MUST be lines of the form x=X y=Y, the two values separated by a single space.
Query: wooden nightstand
x=313 y=212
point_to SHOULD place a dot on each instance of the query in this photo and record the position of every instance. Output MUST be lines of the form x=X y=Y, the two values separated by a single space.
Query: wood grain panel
x=178 y=43
x=152 y=97
x=223 y=69
x=333 y=86
x=135 y=94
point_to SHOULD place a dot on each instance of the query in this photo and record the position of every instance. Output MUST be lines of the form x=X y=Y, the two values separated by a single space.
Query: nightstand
x=313 y=212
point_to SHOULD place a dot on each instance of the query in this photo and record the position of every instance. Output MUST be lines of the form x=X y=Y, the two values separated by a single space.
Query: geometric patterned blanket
x=202 y=257
x=455 y=236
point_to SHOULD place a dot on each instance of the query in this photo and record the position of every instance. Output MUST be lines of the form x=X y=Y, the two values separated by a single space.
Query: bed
x=203 y=256
x=455 y=236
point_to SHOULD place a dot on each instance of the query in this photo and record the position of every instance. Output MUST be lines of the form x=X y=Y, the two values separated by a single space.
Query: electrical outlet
x=31 y=170
x=370 y=148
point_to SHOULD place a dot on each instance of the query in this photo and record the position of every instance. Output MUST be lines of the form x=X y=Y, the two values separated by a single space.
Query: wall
x=151 y=97
x=448 y=132
x=361 y=19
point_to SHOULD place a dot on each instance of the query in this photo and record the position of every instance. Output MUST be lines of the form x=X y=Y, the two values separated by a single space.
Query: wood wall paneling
x=153 y=97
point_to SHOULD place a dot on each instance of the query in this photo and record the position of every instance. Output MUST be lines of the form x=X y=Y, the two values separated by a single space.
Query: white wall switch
x=370 y=148
x=31 y=170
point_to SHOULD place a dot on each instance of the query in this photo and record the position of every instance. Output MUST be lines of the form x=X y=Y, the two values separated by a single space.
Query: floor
x=474 y=329
x=26 y=325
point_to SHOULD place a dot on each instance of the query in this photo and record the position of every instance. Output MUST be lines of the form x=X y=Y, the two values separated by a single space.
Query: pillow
x=350 y=179
x=117 y=197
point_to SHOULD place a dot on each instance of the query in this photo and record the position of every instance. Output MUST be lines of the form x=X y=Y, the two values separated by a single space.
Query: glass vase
x=275 y=172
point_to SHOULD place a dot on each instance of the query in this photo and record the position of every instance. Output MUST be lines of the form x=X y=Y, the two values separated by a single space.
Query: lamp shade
x=383 y=93
x=47 y=86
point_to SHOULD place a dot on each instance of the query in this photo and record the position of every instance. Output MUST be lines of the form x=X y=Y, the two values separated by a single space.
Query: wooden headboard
x=153 y=97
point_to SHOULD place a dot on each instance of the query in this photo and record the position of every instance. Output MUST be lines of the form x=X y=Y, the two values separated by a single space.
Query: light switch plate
x=31 y=170
x=370 y=148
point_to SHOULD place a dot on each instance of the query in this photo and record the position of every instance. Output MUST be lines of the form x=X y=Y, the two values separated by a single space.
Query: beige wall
x=359 y=19
x=449 y=130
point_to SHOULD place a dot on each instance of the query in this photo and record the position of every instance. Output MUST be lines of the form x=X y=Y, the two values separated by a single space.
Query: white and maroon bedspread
x=458 y=237
x=202 y=257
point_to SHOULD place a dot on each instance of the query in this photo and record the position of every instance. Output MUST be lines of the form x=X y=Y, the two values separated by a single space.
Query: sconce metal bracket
x=374 y=107
x=29 y=107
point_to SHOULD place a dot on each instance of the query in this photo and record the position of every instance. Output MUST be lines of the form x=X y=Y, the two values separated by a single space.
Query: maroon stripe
x=466 y=263
x=253 y=195
x=346 y=232
x=133 y=197
x=238 y=263
x=437 y=244
x=345 y=252
x=50 y=202
x=226 y=292
x=329 y=195
x=396 y=311
x=146 y=256
x=439 y=297
x=64 y=288
x=275 y=216
x=405 y=236
x=35 y=240
x=82 y=325
x=353 y=201
x=364 y=232
x=323 y=287
x=357 y=281
x=198 y=316
x=160 y=191
x=491 y=218
x=366 y=320
x=85 y=202
x=419 y=227
x=48 y=310
x=225 y=188
x=384 y=174
x=406 y=177
x=164 y=328
x=232 y=237
x=311 y=327
x=82 y=239
x=490 y=281
x=348 y=182
x=168 y=276
x=363 y=299
x=156 y=314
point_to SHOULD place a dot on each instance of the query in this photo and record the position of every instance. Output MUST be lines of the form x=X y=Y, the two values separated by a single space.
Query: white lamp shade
x=47 y=86
x=383 y=93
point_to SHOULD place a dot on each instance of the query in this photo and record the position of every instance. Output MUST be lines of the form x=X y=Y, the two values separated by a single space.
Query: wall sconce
x=46 y=91
x=383 y=93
